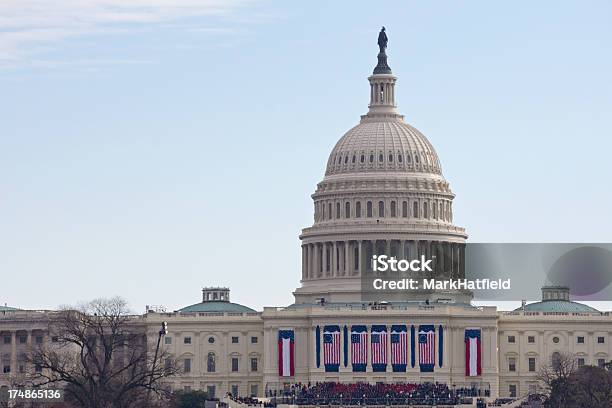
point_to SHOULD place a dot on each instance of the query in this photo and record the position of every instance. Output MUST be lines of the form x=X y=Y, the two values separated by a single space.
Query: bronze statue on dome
x=382 y=40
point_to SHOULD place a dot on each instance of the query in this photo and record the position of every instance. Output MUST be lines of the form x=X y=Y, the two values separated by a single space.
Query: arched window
x=405 y=209
x=409 y=158
x=434 y=208
x=425 y=210
x=390 y=158
x=210 y=363
x=346 y=159
x=371 y=158
x=354 y=158
x=381 y=209
x=369 y=209
x=393 y=209
x=329 y=211
x=399 y=158
x=556 y=360
x=347 y=210
x=415 y=209
x=358 y=209
x=356 y=259
x=416 y=158
x=441 y=211
x=381 y=157
x=337 y=210
x=362 y=158
x=382 y=93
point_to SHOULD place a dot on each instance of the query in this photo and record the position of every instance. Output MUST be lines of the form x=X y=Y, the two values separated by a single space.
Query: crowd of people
x=333 y=393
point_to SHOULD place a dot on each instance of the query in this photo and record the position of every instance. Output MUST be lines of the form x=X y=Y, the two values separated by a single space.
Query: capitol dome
x=383 y=193
x=383 y=146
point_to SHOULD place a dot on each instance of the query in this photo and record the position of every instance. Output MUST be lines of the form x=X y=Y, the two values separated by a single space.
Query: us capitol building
x=383 y=192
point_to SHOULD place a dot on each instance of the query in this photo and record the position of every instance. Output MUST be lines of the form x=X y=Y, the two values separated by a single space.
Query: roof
x=7 y=309
x=216 y=306
x=558 y=306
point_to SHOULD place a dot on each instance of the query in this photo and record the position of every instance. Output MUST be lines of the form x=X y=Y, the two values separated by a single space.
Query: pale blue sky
x=149 y=151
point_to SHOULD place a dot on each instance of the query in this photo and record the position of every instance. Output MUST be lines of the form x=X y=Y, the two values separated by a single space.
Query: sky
x=150 y=148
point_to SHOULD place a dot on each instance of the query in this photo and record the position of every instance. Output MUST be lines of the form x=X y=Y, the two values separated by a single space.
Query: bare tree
x=99 y=355
x=561 y=367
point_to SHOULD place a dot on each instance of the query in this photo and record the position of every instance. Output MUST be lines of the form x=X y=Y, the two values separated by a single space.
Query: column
x=303 y=262
x=401 y=253
x=414 y=252
x=388 y=247
x=358 y=267
x=315 y=259
x=347 y=257
x=334 y=259
x=13 y=352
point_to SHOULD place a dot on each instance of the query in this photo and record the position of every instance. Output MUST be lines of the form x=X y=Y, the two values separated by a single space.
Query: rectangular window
x=187 y=340
x=54 y=339
x=511 y=339
x=254 y=390
x=39 y=339
x=512 y=390
x=234 y=364
x=23 y=339
x=38 y=368
x=167 y=363
x=530 y=339
x=235 y=339
x=512 y=364
x=22 y=368
x=601 y=362
x=601 y=340
x=580 y=362
x=7 y=339
x=532 y=364
x=210 y=390
x=580 y=339
x=254 y=340
x=254 y=364
x=6 y=369
x=187 y=365
x=168 y=340
x=234 y=390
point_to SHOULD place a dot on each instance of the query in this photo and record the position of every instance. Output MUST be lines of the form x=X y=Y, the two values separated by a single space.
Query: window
x=168 y=340
x=393 y=209
x=6 y=369
x=39 y=339
x=254 y=390
x=168 y=364
x=556 y=360
x=580 y=361
x=601 y=362
x=358 y=209
x=353 y=159
x=22 y=368
x=254 y=364
x=329 y=211
x=369 y=209
x=210 y=390
x=337 y=210
x=211 y=340
x=37 y=368
x=425 y=212
x=512 y=390
x=532 y=364
x=371 y=158
x=7 y=339
x=381 y=209
x=530 y=339
x=601 y=340
x=187 y=340
x=235 y=340
x=390 y=158
x=347 y=210
x=234 y=390
x=362 y=158
x=405 y=209
x=210 y=363
x=187 y=365
x=346 y=159
x=380 y=158
x=555 y=339
x=54 y=339
x=399 y=158
x=512 y=364
x=254 y=340
x=511 y=339
x=23 y=339
x=234 y=364
x=415 y=210
x=580 y=339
